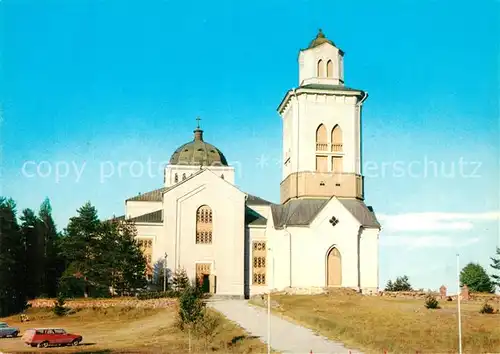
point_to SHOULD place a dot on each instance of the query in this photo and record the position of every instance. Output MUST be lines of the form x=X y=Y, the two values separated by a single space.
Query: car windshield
x=59 y=331
x=3 y=324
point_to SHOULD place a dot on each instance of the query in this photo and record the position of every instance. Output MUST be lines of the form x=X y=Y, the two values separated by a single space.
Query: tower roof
x=320 y=39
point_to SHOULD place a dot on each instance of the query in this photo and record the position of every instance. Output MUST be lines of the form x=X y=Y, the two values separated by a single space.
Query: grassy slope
x=116 y=330
x=375 y=324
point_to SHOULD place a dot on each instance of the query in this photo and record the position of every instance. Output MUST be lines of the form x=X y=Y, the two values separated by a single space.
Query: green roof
x=253 y=218
x=319 y=40
x=198 y=153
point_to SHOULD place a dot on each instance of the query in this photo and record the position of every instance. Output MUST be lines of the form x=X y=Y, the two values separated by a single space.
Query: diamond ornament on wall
x=334 y=221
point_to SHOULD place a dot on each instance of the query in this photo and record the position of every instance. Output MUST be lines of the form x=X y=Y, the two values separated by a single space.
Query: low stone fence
x=407 y=294
x=106 y=303
x=477 y=297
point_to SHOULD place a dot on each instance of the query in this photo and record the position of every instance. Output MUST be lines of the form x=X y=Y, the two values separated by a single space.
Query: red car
x=44 y=337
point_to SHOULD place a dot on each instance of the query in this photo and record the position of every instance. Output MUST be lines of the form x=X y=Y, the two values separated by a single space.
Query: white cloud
x=433 y=221
x=426 y=241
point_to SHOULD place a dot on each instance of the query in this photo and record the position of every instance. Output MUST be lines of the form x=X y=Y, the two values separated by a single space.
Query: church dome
x=320 y=39
x=198 y=153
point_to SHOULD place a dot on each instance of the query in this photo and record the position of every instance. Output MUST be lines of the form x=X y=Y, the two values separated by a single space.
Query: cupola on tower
x=322 y=128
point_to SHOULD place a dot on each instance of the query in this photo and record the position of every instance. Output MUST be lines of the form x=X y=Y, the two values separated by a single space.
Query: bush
x=208 y=327
x=487 y=308
x=59 y=306
x=431 y=302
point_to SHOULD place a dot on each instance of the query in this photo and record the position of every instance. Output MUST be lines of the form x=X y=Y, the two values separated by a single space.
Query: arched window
x=321 y=138
x=176 y=178
x=204 y=225
x=321 y=68
x=329 y=69
x=321 y=145
x=183 y=176
x=222 y=176
x=337 y=139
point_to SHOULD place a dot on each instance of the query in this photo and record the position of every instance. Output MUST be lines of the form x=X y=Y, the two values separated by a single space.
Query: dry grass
x=129 y=330
x=375 y=324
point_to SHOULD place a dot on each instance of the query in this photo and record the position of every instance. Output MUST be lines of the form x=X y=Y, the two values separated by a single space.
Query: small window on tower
x=222 y=176
x=183 y=176
x=176 y=178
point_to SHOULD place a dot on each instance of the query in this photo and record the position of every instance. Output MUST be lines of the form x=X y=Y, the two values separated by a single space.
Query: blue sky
x=91 y=84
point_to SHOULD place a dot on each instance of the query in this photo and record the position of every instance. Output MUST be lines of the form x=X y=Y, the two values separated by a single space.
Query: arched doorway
x=333 y=268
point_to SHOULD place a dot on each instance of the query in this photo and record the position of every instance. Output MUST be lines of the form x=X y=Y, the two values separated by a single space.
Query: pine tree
x=120 y=262
x=180 y=280
x=496 y=265
x=389 y=286
x=35 y=252
x=53 y=265
x=12 y=261
x=59 y=306
x=400 y=284
x=80 y=242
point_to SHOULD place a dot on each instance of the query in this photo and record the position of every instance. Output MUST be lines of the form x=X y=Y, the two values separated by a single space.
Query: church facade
x=321 y=234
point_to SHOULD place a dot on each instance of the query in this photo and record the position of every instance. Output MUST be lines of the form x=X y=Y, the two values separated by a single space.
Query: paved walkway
x=286 y=337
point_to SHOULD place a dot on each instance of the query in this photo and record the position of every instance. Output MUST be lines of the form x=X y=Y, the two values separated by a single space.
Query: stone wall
x=105 y=303
x=478 y=297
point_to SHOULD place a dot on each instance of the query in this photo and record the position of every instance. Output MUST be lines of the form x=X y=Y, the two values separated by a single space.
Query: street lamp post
x=165 y=273
x=458 y=305
x=269 y=306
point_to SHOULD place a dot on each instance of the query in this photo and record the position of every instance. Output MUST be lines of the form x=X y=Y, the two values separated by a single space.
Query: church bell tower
x=321 y=128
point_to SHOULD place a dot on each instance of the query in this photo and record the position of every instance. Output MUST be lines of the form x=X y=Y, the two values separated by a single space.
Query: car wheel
x=75 y=343
x=43 y=345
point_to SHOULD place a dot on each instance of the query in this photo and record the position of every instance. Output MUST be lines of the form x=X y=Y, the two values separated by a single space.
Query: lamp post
x=458 y=304
x=165 y=273
x=269 y=306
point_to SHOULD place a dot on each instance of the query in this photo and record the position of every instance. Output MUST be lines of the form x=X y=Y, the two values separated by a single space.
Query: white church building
x=321 y=234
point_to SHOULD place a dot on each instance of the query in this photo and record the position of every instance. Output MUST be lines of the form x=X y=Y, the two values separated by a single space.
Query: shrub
x=487 y=308
x=208 y=327
x=59 y=306
x=431 y=302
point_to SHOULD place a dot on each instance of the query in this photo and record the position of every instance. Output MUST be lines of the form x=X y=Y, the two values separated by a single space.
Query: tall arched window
x=321 y=145
x=337 y=146
x=176 y=178
x=321 y=138
x=183 y=176
x=204 y=225
x=222 y=176
x=321 y=68
x=337 y=139
x=329 y=68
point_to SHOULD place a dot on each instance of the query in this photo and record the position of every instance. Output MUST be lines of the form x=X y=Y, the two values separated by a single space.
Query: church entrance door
x=203 y=276
x=334 y=268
